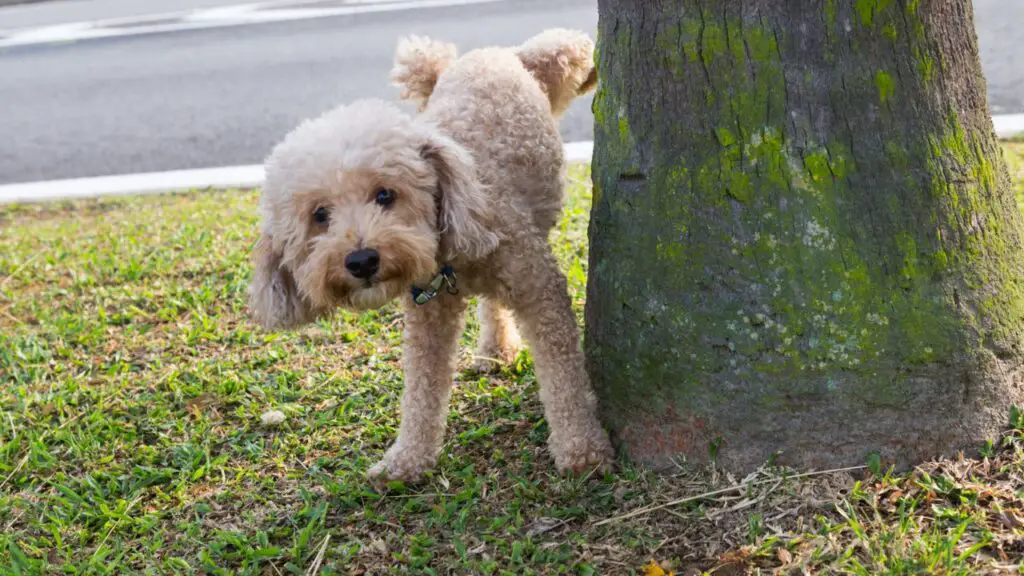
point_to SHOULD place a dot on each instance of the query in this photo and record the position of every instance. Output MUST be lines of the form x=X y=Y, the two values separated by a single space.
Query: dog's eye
x=385 y=197
x=320 y=215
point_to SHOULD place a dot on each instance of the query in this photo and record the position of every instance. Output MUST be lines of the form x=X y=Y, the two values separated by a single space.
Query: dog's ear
x=562 y=61
x=274 y=299
x=465 y=216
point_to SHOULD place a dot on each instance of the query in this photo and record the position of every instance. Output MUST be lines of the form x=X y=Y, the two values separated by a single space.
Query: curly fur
x=563 y=62
x=560 y=60
x=419 y=62
x=478 y=183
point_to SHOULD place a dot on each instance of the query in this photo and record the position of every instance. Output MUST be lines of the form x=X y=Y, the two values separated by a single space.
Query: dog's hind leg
x=432 y=332
x=498 y=342
x=538 y=294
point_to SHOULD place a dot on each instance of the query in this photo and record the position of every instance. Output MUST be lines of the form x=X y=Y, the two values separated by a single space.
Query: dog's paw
x=491 y=360
x=399 y=465
x=590 y=454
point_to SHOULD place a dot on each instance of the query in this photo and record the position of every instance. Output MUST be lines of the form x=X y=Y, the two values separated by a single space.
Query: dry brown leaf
x=1010 y=519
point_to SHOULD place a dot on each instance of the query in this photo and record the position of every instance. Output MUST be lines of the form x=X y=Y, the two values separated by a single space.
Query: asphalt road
x=224 y=96
x=1000 y=26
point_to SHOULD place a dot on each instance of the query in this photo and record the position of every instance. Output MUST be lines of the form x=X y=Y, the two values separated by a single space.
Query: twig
x=12 y=318
x=746 y=503
x=17 y=469
x=718 y=492
x=116 y=524
x=14 y=520
x=679 y=515
x=474 y=357
x=664 y=542
x=19 y=269
x=315 y=566
x=542 y=529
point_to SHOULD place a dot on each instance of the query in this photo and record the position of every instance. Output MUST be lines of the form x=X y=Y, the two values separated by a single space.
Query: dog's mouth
x=366 y=294
x=377 y=279
x=343 y=290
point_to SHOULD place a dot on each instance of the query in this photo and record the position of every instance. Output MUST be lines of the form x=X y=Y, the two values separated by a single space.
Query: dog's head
x=358 y=205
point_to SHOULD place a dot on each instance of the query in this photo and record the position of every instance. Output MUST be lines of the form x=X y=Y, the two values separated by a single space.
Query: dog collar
x=445 y=277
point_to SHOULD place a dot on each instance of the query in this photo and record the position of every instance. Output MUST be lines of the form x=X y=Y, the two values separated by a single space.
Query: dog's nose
x=363 y=263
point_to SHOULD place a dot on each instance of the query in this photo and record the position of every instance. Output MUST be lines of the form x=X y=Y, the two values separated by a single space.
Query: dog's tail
x=419 y=62
x=563 y=62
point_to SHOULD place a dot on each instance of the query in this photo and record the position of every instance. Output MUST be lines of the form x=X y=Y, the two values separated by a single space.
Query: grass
x=1014 y=154
x=131 y=439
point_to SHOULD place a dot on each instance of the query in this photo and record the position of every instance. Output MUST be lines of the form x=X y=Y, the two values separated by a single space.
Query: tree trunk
x=804 y=244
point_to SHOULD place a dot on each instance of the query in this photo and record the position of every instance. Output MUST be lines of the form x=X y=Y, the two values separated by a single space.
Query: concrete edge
x=231 y=177
x=1008 y=125
x=227 y=177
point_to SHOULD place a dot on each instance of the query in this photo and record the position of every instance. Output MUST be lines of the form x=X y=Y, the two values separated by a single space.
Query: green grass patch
x=1014 y=154
x=132 y=385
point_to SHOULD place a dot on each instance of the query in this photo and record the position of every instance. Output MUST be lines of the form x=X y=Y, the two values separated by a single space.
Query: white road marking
x=223 y=17
x=230 y=177
x=220 y=13
x=53 y=33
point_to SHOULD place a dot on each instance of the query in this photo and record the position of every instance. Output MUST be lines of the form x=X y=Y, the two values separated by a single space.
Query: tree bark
x=804 y=245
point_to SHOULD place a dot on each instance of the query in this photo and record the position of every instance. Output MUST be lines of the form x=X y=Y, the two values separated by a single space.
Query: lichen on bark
x=801 y=239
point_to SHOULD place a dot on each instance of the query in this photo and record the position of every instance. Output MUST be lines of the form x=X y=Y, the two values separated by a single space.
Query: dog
x=367 y=204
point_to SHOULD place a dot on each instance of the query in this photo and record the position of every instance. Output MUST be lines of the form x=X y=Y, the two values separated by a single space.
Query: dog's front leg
x=430 y=344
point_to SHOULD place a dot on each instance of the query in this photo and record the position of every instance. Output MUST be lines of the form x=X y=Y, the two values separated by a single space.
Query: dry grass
x=131 y=441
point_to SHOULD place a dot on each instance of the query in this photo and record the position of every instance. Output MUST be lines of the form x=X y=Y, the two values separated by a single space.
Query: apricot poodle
x=366 y=204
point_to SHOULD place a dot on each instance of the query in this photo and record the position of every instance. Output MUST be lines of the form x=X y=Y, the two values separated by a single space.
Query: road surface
x=224 y=95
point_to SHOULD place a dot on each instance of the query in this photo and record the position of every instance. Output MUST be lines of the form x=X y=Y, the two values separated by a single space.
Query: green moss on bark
x=736 y=245
x=885 y=84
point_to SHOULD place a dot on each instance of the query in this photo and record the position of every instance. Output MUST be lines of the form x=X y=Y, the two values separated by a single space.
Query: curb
x=222 y=178
x=1006 y=126
x=133 y=184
